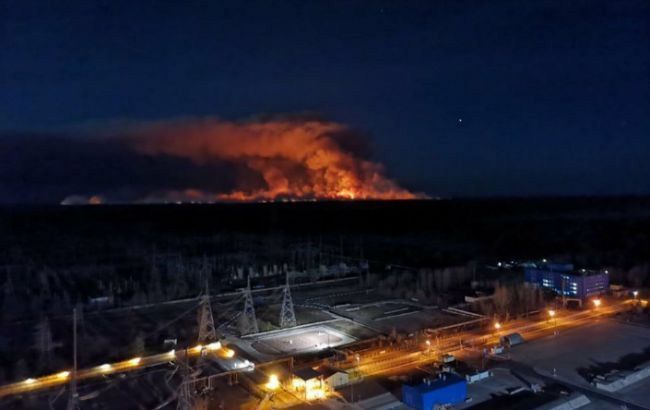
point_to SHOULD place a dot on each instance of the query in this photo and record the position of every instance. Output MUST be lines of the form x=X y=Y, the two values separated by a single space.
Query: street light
x=635 y=294
x=273 y=382
x=63 y=374
x=551 y=313
x=497 y=326
x=428 y=342
x=597 y=302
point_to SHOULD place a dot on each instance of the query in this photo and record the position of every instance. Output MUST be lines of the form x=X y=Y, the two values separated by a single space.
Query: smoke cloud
x=200 y=160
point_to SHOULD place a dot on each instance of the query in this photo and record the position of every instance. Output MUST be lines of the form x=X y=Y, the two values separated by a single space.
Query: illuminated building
x=448 y=389
x=309 y=383
x=564 y=280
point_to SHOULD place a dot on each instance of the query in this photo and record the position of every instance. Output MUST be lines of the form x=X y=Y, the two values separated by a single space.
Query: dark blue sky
x=554 y=96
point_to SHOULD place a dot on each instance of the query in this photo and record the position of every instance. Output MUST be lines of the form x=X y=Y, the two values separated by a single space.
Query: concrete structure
x=478 y=376
x=566 y=281
x=621 y=380
x=448 y=389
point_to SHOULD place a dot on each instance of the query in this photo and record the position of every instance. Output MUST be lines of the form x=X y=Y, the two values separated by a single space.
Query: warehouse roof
x=306 y=373
x=444 y=379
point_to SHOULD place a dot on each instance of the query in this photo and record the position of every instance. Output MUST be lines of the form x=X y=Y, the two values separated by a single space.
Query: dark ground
x=595 y=231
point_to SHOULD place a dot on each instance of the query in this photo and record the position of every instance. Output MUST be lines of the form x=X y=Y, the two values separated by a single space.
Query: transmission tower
x=287 y=314
x=73 y=399
x=207 y=331
x=185 y=396
x=250 y=320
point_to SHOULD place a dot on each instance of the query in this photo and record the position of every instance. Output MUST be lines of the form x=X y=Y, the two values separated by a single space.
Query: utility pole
x=287 y=314
x=73 y=399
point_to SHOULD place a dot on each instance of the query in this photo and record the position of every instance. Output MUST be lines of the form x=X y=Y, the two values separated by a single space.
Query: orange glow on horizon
x=280 y=159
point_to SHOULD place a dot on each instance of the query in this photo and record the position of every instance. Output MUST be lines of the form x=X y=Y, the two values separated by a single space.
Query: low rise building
x=447 y=389
x=332 y=377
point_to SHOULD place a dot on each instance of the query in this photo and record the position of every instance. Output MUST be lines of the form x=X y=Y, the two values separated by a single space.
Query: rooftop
x=444 y=379
x=306 y=373
x=566 y=268
x=327 y=371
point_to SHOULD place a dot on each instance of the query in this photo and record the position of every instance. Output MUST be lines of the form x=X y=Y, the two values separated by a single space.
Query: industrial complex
x=341 y=344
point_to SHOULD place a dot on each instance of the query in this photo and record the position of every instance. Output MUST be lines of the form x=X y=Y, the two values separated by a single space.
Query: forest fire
x=283 y=159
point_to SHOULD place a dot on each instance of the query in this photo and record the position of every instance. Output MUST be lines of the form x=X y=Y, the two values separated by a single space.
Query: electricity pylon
x=287 y=314
x=185 y=396
x=250 y=320
x=207 y=331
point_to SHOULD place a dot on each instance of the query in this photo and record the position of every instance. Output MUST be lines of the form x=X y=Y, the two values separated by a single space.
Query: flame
x=294 y=159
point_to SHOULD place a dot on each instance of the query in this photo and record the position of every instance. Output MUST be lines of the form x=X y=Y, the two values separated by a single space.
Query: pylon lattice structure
x=207 y=331
x=287 y=314
x=250 y=320
x=185 y=396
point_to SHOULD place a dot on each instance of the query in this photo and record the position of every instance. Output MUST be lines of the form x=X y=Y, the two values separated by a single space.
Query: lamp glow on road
x=597 y=302
x=197 y=348
x=273 y=382
x=551 y=312
x=171 y=353
x=105 y=367
x=214 y=346
x=135 y=361
x=30 y=381
x=228 y=352
x=63 y=375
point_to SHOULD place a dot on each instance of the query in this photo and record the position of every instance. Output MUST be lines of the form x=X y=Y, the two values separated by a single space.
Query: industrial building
x=332 y=377
x=566 y=281
x=447 y=389
x=309 y=383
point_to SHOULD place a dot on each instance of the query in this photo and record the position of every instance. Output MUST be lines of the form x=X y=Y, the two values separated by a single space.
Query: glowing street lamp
x=428 y=342
x=597 y=302
x=63 y=375
x=497 y=326
x=105 y=367
x=273 y=382
x=551 y=314
x=635 y=294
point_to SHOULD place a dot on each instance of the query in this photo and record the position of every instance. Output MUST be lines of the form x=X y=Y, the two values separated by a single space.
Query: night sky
x=455 y=98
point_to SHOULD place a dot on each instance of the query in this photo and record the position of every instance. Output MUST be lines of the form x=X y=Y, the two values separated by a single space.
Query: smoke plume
x=214 y=160
x=301 y=159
